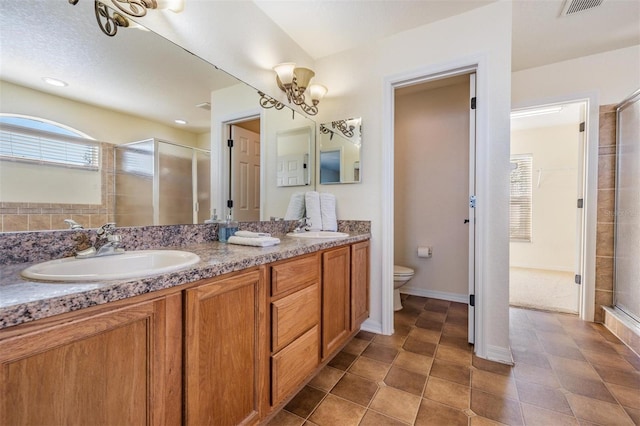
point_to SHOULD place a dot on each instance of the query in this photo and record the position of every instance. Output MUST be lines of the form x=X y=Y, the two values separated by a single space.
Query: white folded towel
x=328 y=211
x=312 y=204
x=250 y=234
x=256 y=242
x=295 y=210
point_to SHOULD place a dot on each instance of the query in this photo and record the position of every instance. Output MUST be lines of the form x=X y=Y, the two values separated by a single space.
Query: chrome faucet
x=73 y=224
x=111 y=247
x=303 y=225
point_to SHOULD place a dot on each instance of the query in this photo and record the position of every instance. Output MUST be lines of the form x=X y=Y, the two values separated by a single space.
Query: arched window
x=31 y=139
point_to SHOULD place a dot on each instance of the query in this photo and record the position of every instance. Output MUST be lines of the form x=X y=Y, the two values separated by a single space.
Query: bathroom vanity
x=227 y=341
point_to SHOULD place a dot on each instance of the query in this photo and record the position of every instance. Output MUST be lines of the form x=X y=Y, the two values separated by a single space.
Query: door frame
x=586 y=296
x=220 y=157
x=467 y=66
x=590 y=192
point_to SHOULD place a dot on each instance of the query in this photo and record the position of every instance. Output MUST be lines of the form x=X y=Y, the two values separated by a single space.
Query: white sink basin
x=132 y=264
x=318 y=234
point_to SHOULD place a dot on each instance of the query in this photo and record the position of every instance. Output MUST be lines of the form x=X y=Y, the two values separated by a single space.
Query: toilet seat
x=402 y=271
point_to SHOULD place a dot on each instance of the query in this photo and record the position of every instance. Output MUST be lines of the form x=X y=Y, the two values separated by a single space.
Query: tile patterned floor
x=567 y=372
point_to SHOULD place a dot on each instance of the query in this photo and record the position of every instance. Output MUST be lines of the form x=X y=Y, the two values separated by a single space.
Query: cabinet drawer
x=293 y=315
x=293 y=364
x=289 y=276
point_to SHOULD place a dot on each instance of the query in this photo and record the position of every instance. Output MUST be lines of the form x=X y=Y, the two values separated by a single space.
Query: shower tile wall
x=50 y=216
x=606 y=210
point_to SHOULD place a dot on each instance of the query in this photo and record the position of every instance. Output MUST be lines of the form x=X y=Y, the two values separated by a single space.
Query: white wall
x=554 y=192
x=356 y=81
x=612 y=76
x=431 y=181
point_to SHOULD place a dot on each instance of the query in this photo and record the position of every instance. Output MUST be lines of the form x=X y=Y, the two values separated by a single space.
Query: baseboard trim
x=372 y=326
x=500 y=354
x=452 y=297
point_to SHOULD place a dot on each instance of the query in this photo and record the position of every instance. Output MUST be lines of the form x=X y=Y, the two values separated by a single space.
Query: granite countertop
x=22 y=301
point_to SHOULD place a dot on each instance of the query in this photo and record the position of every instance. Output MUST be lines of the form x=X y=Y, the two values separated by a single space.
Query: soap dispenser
x=227 y=228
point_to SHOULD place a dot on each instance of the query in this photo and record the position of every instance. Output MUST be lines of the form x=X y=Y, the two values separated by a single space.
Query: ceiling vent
x=204 y=105
x=572 y=7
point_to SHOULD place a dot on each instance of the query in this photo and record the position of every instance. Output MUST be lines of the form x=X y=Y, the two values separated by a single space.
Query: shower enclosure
x=161 y=183
x=627 y=212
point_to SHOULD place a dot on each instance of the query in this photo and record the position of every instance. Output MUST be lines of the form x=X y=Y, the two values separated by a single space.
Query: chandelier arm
x=109 y=20
x=135 y=8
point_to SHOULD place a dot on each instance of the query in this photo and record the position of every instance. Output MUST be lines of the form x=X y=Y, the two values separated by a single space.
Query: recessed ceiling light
x=54 y=82
x=180 y=121
x=533 y=112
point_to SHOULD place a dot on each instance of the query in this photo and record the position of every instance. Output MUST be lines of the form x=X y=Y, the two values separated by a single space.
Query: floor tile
x=628 y=397
x=337 y=411
x=541 y=376
x=342 y=360
x=573 y=367
x=429 y=324
x=394 y=340
x=414 y=362
x=285 y=418
x=536 y=359
x=326 y=379
x=380 y=353
x=449 y=353
x=456 y=342
x=629 y=377
x=420 y=347
x=355 y=389
x=448 y=393
x=456 y=373
x=495 y=384
x=305 y=401
x=503 y=410
x=369 y=369
x=599 y=412
x=356 y=346
x=566 y=372
x=396 y=403
x=544 y=397
x=425 y=335
x=405 y=380
x=536 y=416
x=372 y=418
x=586 y=387
x=366 y=335
x=433 y=413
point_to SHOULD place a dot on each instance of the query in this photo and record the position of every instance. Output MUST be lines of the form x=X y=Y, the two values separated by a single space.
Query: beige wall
x=99 y=123
x=555 y=153
x=431 y=181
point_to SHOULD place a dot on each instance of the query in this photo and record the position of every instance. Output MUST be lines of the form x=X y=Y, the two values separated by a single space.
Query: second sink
x=318 y=234
x=133 y=264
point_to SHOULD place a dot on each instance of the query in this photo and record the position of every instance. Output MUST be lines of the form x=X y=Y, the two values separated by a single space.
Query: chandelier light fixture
x=112 y=14
x=294 y=82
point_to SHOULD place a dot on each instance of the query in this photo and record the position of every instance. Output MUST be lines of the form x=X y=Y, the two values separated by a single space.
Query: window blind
x=19 y=143
x=520 y=212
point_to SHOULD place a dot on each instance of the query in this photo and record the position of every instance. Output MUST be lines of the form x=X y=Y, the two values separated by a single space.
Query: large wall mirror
x=125 y=89
x=340 y=144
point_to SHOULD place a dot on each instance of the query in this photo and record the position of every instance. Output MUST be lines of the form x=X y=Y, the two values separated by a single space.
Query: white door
x=245 y=160
x=291 y=170
x=472 y=211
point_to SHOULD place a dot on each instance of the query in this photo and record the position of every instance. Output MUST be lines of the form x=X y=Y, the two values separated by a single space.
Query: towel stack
x=255 y=239
x=319 y=207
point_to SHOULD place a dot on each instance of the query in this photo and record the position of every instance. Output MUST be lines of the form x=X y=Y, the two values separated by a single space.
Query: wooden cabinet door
x=118 y=367
x=359 y=284
x=336 y=320
x=225 y=350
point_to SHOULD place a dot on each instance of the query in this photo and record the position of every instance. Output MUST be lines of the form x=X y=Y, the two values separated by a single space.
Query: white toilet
x=401 y=276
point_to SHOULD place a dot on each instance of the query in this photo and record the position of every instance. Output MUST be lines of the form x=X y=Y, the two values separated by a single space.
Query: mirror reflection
x=293 y=148
x=339 y=157
x=120 y=90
